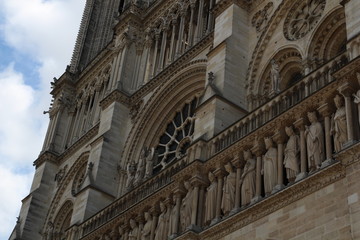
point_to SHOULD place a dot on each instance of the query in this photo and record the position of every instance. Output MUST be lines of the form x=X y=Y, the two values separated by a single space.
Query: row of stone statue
x=143 y=170
x=219 y=197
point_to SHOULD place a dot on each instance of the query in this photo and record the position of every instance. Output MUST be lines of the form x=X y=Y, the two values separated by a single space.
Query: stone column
x=157 y=36
x=201 y=206
x=325 y=110
x=210 y=24
x=198 y=183
x=199 y=27
x=346 y=90
x=239 y=164
x=155 y=214
x=162 y=50
x=172 y=43
x=300 y=124
x=178 y=51
x=279 y=138
x=191 y=30
x=219 y=173
x=258 y=150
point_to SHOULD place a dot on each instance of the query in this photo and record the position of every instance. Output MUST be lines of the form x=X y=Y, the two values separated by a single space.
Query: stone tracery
x=303 y=17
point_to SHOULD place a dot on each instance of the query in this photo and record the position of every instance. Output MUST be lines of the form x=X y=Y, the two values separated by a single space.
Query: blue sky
x=36 y=42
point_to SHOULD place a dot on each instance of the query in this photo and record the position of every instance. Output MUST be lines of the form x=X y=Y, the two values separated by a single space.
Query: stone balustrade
x=280 y=103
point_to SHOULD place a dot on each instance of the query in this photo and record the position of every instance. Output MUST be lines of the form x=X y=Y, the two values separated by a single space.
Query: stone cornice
x=349 y=155
x=349 y=70
x=115 y=96
x=45 y=157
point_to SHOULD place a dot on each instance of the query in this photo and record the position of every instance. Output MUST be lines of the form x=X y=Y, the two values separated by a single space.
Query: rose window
x=302 y=18
x=177 y=137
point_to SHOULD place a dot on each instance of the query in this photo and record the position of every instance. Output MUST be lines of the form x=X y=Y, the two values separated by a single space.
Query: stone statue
x=248 y=180
x=292 y=151
x=162 y=228
x=269 y=165
x=338 y=124
x=228 y=198
x=134 y=232
x=186 y=207
x=314 y=142
x=149 y=159
x=210 y=202
x=146 y=231
x=140 y=168
x=131 y=170
x=172 y=218
x=275 y=76
x=122 y=234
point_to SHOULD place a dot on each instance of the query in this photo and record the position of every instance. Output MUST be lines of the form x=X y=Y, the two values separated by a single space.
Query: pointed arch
x=329 y=38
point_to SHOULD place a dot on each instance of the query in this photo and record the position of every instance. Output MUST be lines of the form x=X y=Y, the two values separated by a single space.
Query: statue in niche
x=357 y=96
x=172 y=218
x=248 y=180
x=186 y=207
x=146 y=231
x=134 y=232
x=131 y=170
x=210 y=202
x=314 y=142
x=338 y=124
x=162 y=228
x=292 y=151
x=269 y=165
x=140 y=168
x=228 y=198
x=275 y=76
x=149 y=159
x=122 y=234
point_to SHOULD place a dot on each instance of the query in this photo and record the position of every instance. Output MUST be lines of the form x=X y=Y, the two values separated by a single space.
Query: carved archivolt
x=302 y=18
x=330 y=38
x=261 y=17
x=65 y=183
x=63 y=218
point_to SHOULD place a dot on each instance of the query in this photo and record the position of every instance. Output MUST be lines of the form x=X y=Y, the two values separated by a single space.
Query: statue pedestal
x=278 y=188
x=327 y=163
x=255 y=200
x=301 y=176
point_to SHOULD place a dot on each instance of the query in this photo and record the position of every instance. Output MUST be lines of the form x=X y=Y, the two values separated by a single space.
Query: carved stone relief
x=260 y=19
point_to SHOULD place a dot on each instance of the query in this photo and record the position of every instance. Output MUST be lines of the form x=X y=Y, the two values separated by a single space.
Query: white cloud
x=44 y=31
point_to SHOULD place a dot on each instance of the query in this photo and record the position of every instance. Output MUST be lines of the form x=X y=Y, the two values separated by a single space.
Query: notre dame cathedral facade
x=203 y=119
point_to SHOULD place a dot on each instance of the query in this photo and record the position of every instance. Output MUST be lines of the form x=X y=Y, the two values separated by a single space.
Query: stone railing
x=279 y=104
x=132 y=198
